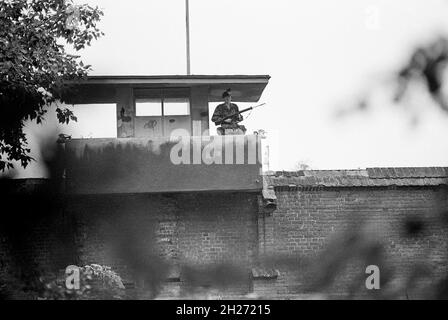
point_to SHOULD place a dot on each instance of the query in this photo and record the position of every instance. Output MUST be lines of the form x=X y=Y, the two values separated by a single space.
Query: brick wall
x=179 y=233
x=406 y=222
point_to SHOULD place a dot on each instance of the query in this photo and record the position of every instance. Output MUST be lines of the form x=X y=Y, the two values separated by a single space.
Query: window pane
x=176 y=106
x=95 y=120
x=148 y=107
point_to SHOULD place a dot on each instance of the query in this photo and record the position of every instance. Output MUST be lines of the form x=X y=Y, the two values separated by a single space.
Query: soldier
x=227 y=109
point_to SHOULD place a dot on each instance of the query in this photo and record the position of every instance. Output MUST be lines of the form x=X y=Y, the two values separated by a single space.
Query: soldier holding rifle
x=228 y=116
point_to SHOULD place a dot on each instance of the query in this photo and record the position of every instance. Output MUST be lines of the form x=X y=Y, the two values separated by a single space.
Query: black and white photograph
x=246 y=151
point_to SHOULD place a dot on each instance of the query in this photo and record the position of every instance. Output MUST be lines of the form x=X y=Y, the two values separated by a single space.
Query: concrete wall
x=125 y=113
x=199 y=110
x=105 y=166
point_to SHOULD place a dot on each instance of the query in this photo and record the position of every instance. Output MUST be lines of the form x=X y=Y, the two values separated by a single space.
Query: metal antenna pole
x=187 y=20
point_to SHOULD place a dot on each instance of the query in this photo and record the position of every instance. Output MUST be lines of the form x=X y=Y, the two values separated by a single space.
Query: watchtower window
x=160 y=112
x=149 y=107
x=161 y=102
x=176 y=107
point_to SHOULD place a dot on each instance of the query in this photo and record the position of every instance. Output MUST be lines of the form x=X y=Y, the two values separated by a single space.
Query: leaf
x=30 y=58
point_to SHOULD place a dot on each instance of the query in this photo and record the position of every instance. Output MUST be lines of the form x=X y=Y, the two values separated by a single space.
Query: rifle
x=237 y=113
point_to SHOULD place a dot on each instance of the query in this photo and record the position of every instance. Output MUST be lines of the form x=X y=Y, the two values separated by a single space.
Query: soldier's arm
x=239 y=117
x=217 y=115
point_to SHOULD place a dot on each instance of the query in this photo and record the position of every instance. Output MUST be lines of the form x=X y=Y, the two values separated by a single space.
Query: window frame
x=162 y=93
x=160 y=105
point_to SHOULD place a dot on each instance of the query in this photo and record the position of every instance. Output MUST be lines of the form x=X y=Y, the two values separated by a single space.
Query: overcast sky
x=320 y=54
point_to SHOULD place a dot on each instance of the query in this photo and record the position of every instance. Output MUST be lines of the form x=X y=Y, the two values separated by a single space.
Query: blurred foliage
x=34 y=65
x=425 y=67
x=302 y=165
x=96 y=282
x=427 y=64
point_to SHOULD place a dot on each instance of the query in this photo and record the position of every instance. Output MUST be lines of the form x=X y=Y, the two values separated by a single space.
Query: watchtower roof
x=245 y=88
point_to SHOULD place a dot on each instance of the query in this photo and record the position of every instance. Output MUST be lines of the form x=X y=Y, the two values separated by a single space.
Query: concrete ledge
x=185 y=164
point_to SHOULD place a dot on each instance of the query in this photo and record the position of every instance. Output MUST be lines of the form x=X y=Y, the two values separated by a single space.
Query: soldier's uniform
x=233 y=127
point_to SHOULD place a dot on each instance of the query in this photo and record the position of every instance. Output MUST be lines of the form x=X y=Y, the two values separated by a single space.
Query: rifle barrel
x=239 y=112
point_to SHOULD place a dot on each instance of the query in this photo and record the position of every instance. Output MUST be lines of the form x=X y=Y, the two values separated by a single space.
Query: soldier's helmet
x=227 y=93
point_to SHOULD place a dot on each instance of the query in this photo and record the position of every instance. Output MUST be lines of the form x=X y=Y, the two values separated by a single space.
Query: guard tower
x=163 y=142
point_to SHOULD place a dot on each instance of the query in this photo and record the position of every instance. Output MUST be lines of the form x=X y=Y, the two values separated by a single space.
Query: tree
x=34 y=65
